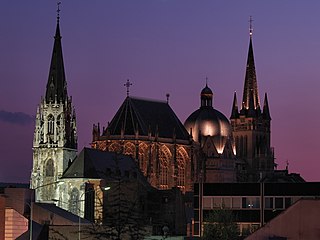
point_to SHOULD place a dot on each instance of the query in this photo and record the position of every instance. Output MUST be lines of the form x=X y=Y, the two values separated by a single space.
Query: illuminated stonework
x=55 y=134
x=157 y=140
x=211 y=131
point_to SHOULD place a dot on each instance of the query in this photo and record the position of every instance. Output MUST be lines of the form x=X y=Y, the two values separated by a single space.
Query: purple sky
x=161 y=46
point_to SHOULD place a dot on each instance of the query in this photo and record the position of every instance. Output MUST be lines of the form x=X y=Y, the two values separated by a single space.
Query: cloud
x=18 y=118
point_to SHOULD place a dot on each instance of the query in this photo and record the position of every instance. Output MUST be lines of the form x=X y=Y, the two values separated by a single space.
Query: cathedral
x=207 y=148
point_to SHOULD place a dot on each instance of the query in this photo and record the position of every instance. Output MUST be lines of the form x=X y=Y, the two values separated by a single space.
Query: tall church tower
x=251 y=126
x=55 y=134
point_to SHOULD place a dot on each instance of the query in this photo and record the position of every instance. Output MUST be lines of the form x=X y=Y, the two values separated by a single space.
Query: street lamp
x=91 y=190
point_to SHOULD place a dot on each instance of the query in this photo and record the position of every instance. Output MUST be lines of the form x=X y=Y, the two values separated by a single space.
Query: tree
x=220 y=225
x=122 y=207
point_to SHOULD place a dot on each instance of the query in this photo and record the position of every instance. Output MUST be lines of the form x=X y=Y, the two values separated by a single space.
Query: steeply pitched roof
x=234 y=111
x=147 y=115
x=97 y=164
x=57 y=85
x=250 y=84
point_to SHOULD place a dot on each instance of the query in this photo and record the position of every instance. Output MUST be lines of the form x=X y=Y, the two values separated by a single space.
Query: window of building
x=114 y=147
x=216 y=202
x=164 y=158
x=49 y=168
x=143 y=158
x=50 y=124
x=129 y=149
x=287 y=202
x=226 y=202
x=278 y=202
x=181 y=168
x=207 y=203
x=268 y=203
x=236 y=202
x=250 y=202
x=74 y=201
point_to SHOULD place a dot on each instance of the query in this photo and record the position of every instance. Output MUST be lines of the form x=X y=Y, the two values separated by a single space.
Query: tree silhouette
x=220 y=225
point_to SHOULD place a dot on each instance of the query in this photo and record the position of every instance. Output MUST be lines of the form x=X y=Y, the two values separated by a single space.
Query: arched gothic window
x=182 y=157
x=143 y=158
x=74 y=201
x=50 y=124
x=49 y=168
x=129 y=149
x=164 y=158
x=114 y=147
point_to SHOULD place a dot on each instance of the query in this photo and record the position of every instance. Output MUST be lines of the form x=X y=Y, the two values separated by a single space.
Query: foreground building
x=299 y=221
x=252 y=204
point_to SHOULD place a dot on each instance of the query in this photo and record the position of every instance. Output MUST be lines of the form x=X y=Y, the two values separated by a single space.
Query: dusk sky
x=162 y=46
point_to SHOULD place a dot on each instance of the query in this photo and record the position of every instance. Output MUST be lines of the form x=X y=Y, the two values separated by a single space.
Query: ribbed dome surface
x=208 y=121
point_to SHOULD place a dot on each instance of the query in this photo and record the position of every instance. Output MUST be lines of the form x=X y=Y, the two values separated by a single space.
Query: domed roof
x=206 y=91
x=208 y=121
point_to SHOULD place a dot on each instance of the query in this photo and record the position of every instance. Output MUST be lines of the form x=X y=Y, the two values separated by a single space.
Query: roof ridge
x=148 y=99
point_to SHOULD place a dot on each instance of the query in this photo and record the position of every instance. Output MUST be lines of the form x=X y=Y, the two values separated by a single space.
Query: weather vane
x=250 y=27
x=127 y=85
x=58 y=10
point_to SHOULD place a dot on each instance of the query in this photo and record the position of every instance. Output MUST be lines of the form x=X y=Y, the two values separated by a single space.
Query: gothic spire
x=266 y=112
x=251 y=110
x=235 y=111
x=57 y=85
x=250 y=83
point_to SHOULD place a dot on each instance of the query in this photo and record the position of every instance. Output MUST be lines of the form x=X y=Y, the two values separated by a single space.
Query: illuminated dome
x=207 y=120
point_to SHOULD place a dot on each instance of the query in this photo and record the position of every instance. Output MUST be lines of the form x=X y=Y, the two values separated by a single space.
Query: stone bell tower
x=55 y=134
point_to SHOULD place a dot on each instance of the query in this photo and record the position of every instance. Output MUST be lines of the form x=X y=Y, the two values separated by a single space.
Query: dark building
x=252 y=204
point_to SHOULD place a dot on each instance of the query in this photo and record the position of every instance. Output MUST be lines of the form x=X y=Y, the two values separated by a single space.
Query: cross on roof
x=58 y=10
x=127 y=85
x=250 y=27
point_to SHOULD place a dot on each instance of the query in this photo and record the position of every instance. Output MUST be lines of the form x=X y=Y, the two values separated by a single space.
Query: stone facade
x=165 y=165
x=55 y=135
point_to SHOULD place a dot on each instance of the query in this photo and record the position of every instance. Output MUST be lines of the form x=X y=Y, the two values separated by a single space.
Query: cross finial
x=250 y=26
x=58 y=10
x=127 y=85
